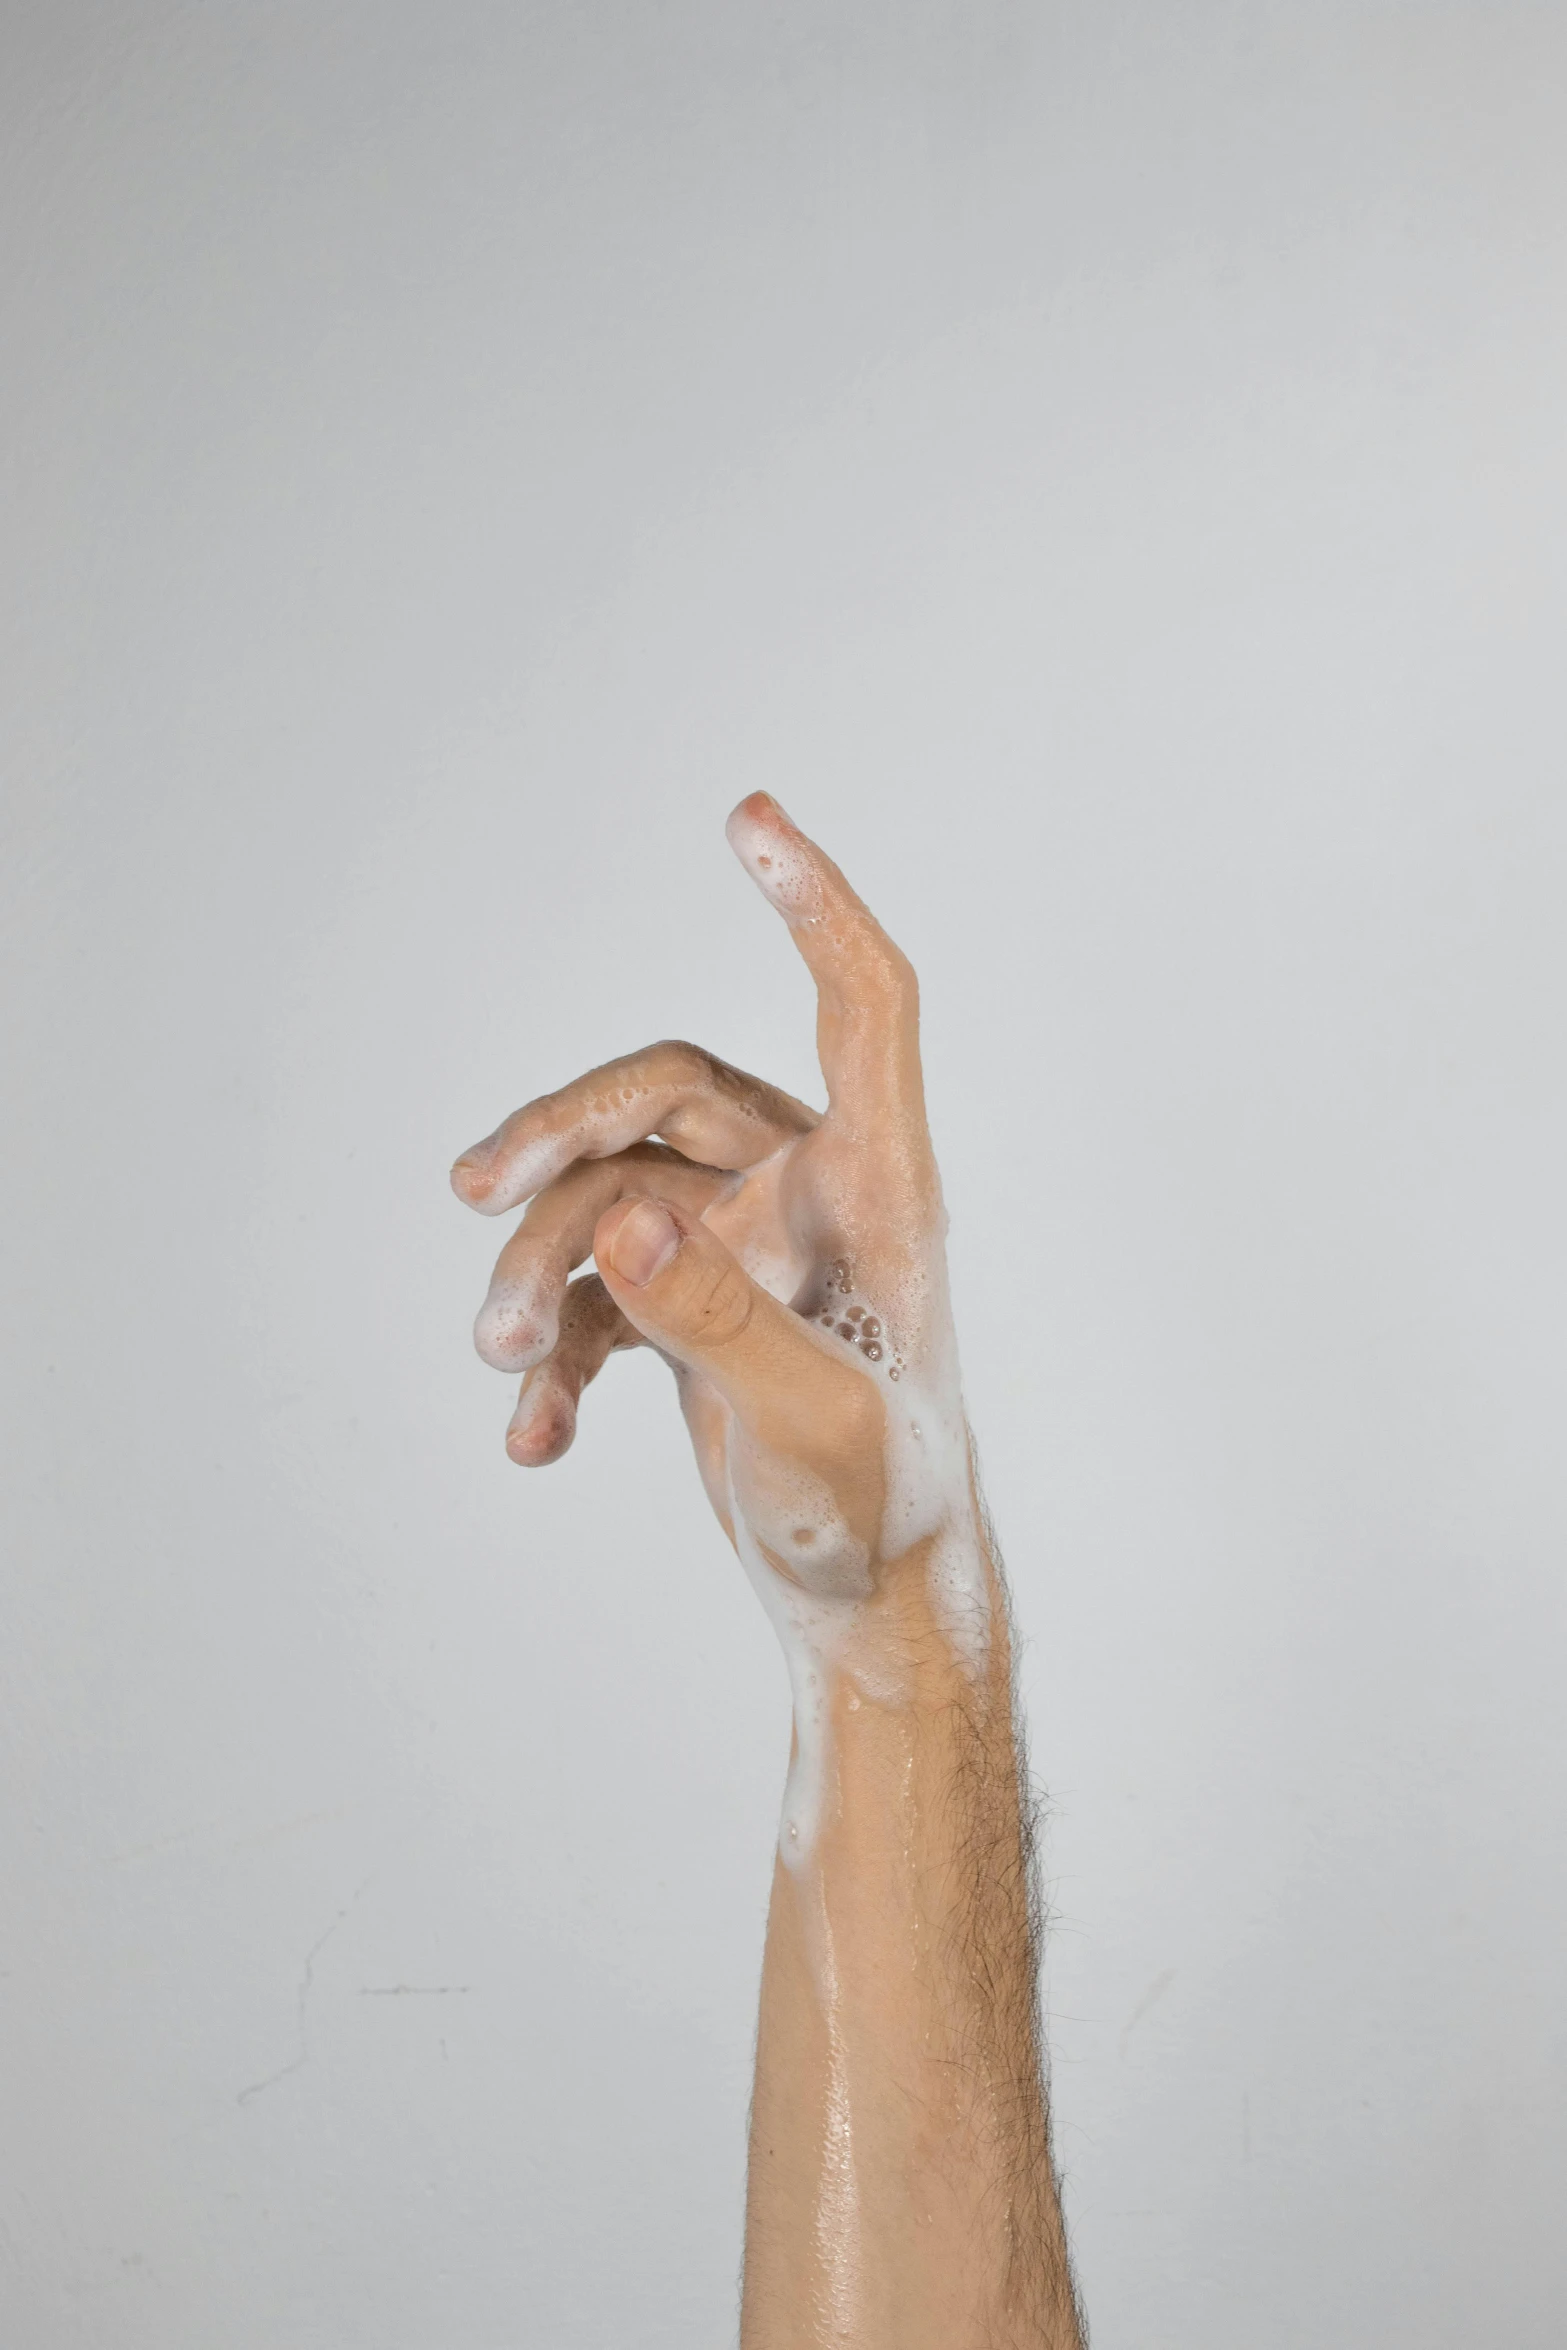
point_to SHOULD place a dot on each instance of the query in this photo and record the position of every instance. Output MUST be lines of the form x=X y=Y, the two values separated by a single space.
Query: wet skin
x=789 y=1266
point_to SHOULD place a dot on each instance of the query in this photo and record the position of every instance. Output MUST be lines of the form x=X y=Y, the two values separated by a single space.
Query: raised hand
x=789 y=1267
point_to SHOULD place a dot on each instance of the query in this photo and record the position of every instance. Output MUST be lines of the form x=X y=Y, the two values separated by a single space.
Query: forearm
x=901 y=2191
x=791 y=1268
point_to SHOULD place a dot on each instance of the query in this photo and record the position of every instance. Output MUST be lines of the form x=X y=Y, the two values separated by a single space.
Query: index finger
x=867 y=1025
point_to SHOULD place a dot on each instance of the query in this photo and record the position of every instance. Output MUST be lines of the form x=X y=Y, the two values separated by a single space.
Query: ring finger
x=519 y=1320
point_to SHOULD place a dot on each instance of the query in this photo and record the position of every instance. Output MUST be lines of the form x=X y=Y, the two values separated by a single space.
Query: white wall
x=1103 y=466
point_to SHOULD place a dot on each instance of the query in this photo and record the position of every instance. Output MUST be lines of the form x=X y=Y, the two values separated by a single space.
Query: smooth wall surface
x=1103 y=466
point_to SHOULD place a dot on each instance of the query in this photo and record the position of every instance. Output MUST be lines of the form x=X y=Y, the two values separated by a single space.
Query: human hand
x=790 y=1269
x=789 y=1266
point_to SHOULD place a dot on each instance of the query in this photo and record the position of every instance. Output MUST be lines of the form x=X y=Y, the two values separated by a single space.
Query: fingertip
x=609 y=1224
x=758 y=807
x=642 y=1242
x=480 y=1182
x=542 y=1428
x=604 y=1232
x=470 y=1180
x=776 y=854
x=512 y=1331
x=611 y=1227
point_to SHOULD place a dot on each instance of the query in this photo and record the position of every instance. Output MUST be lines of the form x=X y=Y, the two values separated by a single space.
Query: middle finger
x=714 y=1113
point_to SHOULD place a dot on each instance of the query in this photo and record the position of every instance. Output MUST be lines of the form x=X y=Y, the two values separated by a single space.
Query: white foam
x=518 y=1323
x=782 y=872
x=814 y=1575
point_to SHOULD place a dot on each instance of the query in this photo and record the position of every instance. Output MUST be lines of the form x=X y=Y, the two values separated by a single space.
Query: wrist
x=937 y=1630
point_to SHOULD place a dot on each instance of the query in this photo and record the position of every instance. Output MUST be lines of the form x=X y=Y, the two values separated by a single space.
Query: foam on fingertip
x=489 y=1179
x=776 y=855
x=515 y=1327
x=471 y=1178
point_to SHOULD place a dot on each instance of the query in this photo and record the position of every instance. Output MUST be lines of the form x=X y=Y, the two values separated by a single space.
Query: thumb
x=675 y=1281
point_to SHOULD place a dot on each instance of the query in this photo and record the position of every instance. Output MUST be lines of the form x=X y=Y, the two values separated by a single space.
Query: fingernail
x=759 y=800
x=645 y=1242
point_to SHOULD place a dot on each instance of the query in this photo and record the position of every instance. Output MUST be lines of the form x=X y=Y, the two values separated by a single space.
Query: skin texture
x=789 y=1267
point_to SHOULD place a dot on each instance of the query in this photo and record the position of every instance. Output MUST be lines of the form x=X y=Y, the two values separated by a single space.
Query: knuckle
x=877 y=971
x=588 y=1309
x=894 y=973
x=678 y=1062
x=718 y=1305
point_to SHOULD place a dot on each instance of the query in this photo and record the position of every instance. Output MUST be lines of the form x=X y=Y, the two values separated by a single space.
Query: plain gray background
x=1103 y=466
